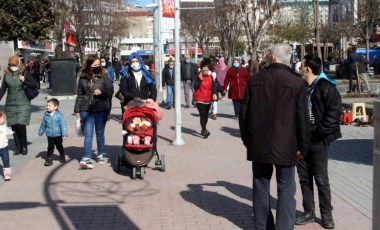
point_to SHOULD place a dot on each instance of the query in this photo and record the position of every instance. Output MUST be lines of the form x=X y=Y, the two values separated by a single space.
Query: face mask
x=96 y=69
x=260 y=59
x=187 y=61
x=135 y=66
x=103 y=64
x=13 y=68
x=205 y=72
x=171 y=66
x=236 y=65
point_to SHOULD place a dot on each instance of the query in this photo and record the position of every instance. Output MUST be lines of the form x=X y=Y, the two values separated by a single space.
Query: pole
x=161 y=66
x=376 y=168
x=156 y=43
x=177 y=84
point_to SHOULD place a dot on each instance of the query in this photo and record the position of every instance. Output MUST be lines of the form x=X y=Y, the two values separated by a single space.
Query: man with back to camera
x=188 y=73
x=274 y=126
x=324 y=103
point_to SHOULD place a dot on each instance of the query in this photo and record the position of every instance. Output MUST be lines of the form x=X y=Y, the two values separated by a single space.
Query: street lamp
x=157 y=40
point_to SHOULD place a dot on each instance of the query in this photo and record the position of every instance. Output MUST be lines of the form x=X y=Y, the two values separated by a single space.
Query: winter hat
x=14 y=60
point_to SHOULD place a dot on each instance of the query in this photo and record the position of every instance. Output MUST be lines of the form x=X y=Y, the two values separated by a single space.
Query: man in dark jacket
x=274 y=126
x=353 y=61
x=188 y=73
x=168 y=82
x=324 y=104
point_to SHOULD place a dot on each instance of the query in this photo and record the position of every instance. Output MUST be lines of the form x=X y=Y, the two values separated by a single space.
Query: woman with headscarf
x=136 y=82
x=17 y=106
x=220 y=71
x=92 y=106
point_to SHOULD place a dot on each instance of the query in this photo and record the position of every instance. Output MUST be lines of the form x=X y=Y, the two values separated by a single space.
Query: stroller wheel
x=134 y=173
x=142 y=173
x=162 y=163
x=118 y=163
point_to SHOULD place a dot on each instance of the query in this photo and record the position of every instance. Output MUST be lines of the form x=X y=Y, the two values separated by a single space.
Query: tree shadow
x=359 y=151
x=232 y=131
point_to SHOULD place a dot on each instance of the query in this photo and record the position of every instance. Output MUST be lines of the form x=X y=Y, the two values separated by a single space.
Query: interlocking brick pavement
x=207 y=183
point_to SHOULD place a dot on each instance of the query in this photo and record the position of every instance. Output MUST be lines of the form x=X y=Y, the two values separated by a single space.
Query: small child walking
x=4 y=152
x=54 y=125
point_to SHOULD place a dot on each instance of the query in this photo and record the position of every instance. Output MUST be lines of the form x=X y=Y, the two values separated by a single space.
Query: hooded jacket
x=326 y=105
x=53 y=125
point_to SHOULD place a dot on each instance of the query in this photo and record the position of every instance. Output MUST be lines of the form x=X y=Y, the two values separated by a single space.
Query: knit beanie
x=14 y=60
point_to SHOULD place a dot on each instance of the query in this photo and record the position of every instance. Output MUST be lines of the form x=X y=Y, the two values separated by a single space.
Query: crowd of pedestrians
x=287 y=119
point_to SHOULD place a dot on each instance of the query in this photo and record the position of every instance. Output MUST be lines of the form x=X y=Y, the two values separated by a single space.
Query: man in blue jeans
x=168 y=82
x=324 y=103
x=275 y=128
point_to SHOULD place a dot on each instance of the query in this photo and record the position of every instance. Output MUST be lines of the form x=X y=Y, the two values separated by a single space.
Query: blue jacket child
x=54 y=125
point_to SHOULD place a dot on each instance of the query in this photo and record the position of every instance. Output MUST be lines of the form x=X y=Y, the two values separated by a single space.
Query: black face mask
x=97 y=69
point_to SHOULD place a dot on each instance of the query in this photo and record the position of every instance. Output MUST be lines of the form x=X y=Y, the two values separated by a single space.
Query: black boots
x=327 y=221
x=305 y=218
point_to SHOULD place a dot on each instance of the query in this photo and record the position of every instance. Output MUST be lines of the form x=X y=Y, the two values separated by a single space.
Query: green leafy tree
x=26 y=20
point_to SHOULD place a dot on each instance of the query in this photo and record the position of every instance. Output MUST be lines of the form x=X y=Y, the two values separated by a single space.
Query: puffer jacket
x=326 y=106
x=204 y=89
x=53 y=126
x=86 y=100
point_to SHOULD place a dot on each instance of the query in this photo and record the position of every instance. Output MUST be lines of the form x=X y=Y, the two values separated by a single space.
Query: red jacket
x=237 y=80
x=203 y=89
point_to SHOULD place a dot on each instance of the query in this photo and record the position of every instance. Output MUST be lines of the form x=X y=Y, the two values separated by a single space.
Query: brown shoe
x=213 y=116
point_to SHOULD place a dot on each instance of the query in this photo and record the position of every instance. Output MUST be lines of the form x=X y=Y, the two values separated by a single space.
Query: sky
x=140 y=2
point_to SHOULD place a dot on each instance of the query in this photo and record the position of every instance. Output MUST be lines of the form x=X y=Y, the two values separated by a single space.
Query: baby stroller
x=140 y=139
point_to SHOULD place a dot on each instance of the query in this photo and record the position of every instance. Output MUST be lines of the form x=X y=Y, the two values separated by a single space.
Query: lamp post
x=156 y=7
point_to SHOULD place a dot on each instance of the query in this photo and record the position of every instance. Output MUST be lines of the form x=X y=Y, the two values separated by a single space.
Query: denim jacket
x=53 y=126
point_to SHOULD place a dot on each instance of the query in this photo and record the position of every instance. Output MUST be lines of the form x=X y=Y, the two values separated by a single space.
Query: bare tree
x=316 y=24
x=368 y=13
x=198 y=25
x=227 y=22
x=256 y=17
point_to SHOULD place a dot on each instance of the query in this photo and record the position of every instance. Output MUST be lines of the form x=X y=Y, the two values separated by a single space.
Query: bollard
x=376 y=168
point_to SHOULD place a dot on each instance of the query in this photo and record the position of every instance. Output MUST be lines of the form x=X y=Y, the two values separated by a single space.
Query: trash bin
x=63 y=76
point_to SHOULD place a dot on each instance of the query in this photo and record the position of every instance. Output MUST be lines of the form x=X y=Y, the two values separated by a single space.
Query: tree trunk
x=15 y=46
x=316 y=21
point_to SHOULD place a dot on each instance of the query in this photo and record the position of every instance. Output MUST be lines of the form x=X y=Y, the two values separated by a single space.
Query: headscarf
x=148 y=77
x=221 y=71
x=221 y=64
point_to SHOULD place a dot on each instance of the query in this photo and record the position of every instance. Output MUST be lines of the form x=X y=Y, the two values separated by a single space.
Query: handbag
x=119 y=96
x=30 y=92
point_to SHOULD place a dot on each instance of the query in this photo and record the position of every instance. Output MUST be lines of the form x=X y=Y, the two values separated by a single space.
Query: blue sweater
x=53 y=126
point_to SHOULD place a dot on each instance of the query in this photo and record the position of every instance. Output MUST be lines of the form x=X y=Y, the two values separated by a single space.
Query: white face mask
x=13 y=68
x=103 y=64
x=135 y=66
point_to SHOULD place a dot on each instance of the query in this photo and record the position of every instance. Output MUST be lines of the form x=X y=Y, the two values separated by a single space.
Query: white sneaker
x=86 y=164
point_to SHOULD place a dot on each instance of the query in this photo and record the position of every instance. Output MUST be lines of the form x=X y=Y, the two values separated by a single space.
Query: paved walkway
x=207 y=183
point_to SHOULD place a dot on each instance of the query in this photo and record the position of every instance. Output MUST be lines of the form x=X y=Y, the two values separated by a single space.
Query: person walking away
x=236 y=79
x=168 y=83
x=104 y=62
x=4 y=151
x=35 y=68
x=136 y=82
x=91 y=106
x=205 y=93
x=117 y=67
x=274 y=127
x=48 y=70
x=54 y=125
x=188 y=73
x=324 y=104
x=363 y=72
x=17 y=106
x=221 y=72
x=353 y=61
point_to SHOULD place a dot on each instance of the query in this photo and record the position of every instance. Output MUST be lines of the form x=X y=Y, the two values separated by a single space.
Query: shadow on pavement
x=358 y=151
x=232 y=131
x=238 y=213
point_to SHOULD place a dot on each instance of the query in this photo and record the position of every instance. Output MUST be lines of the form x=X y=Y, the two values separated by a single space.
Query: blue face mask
x=236 y=65
x=187 y=61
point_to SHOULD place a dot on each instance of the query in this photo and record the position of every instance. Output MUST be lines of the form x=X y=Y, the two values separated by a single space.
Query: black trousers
x=314 y=166
x=20 y=137
x=203 y=110
x=57 y=142
x=352 y=75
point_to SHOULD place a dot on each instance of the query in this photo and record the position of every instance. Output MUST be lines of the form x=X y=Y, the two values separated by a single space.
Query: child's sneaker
x=62 y=159
x=86 y=164
x=7 y=174
x=101 y=160
x=48 y=162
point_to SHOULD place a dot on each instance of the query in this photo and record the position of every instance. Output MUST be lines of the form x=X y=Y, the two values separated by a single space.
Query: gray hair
x=283 y=53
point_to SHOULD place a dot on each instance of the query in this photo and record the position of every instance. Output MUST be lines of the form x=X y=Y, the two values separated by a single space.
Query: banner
x=168 y=8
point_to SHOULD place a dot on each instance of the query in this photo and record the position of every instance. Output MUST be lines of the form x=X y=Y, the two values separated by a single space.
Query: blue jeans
x=236 y=104
x=4 y=152
x=91 y=120
x=286 y=190
x=170 y=95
